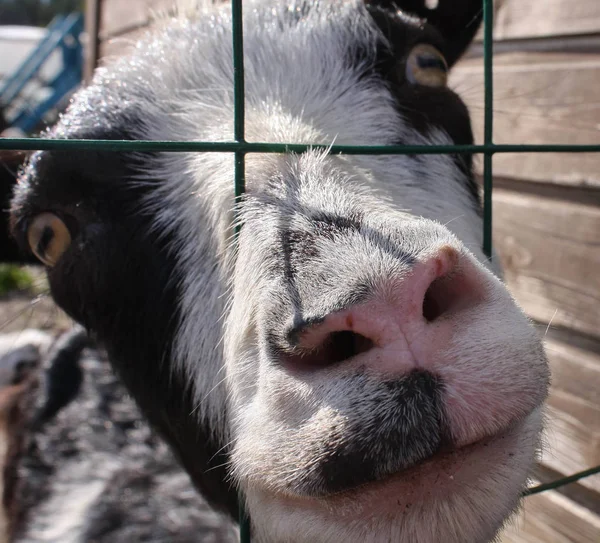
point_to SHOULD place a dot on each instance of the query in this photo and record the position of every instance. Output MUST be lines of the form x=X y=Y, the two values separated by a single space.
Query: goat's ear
x=456 y=20
x=10 y=162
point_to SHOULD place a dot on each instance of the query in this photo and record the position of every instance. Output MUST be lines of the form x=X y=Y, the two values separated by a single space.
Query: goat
x=351 y=364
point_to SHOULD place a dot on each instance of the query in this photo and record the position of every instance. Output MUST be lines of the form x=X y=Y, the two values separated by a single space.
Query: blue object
x=64 y=34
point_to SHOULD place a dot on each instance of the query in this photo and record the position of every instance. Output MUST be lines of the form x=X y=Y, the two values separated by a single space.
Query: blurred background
x=41 y=60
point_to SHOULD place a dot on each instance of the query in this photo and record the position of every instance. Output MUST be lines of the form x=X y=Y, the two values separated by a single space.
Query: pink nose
x=406 y=321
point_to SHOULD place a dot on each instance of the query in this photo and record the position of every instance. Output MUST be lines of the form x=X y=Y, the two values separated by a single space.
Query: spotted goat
x=351 y=365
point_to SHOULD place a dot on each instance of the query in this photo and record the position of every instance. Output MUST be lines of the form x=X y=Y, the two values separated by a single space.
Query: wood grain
x=550 y=250
x=552 y=518
x=117 y=46
x=92 y=32
x=573 y=438
x=541 y=18
x=575 y=371
x=120 y=17
x=572 y=441
x=539 y=99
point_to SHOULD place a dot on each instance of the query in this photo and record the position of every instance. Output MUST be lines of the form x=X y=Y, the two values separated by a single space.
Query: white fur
x=282 y=106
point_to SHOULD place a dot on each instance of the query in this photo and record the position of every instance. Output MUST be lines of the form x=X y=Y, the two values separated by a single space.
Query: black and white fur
x=200 y=328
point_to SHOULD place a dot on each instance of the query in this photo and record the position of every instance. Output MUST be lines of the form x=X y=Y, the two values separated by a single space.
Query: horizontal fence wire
x=240 y=147
x=561 y=482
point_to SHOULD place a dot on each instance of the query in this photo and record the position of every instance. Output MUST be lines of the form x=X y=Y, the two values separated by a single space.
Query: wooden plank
x=583 y=44
x=522 y=19
x=119 y=17
x=92 y=32
x=539 y=99
x=117 y=46
x=572 y=440
x=552 y=518
x=575 y=371
x=550 y=250
x=590 y=499
x=572 y=437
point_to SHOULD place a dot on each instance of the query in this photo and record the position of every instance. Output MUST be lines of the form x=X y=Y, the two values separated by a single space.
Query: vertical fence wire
x=488 y=127
x=239 y=106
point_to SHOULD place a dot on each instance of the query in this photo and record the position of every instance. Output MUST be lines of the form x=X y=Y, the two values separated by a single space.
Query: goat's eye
x=426 y=66
x=48 y=238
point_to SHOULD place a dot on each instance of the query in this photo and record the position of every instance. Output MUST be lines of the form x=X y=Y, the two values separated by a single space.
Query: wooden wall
x=547 y=230
x=546 y=220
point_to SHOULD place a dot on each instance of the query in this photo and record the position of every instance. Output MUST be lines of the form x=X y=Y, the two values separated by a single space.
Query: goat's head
x=351 y=365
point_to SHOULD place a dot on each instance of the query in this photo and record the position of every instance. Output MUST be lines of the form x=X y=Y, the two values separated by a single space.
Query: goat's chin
x=463 y=496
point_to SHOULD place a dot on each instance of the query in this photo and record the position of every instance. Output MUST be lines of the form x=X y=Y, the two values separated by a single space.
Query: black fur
x=424 y=107
x=116 y=273
x=10 y=162
x=456 y=22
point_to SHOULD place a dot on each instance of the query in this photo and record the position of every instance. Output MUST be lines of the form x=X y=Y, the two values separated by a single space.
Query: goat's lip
x=436 y=461
x=446 y=472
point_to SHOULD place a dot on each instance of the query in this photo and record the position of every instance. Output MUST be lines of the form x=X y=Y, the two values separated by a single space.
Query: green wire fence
x=240 y=147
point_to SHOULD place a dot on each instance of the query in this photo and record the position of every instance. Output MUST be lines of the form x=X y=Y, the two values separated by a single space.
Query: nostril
x=449 y=294
x=441 y=298
x=346 y=344
x=336 y=347
x=434 y=303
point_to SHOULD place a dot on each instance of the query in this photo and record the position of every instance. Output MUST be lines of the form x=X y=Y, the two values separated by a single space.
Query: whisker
x=28 y=307
x=550 y=323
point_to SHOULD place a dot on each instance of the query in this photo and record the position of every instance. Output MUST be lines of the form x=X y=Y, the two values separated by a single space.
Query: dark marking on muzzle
x=328 y=224
x=300 y=246
x=408 y=431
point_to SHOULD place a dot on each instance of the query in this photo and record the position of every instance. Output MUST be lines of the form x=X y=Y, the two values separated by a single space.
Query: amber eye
x=48 y=238
x=426 y=66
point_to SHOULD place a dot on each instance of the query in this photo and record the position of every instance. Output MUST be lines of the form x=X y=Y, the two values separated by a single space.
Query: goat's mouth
x=443 y=465
x=400 y=426
x=450 y=473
